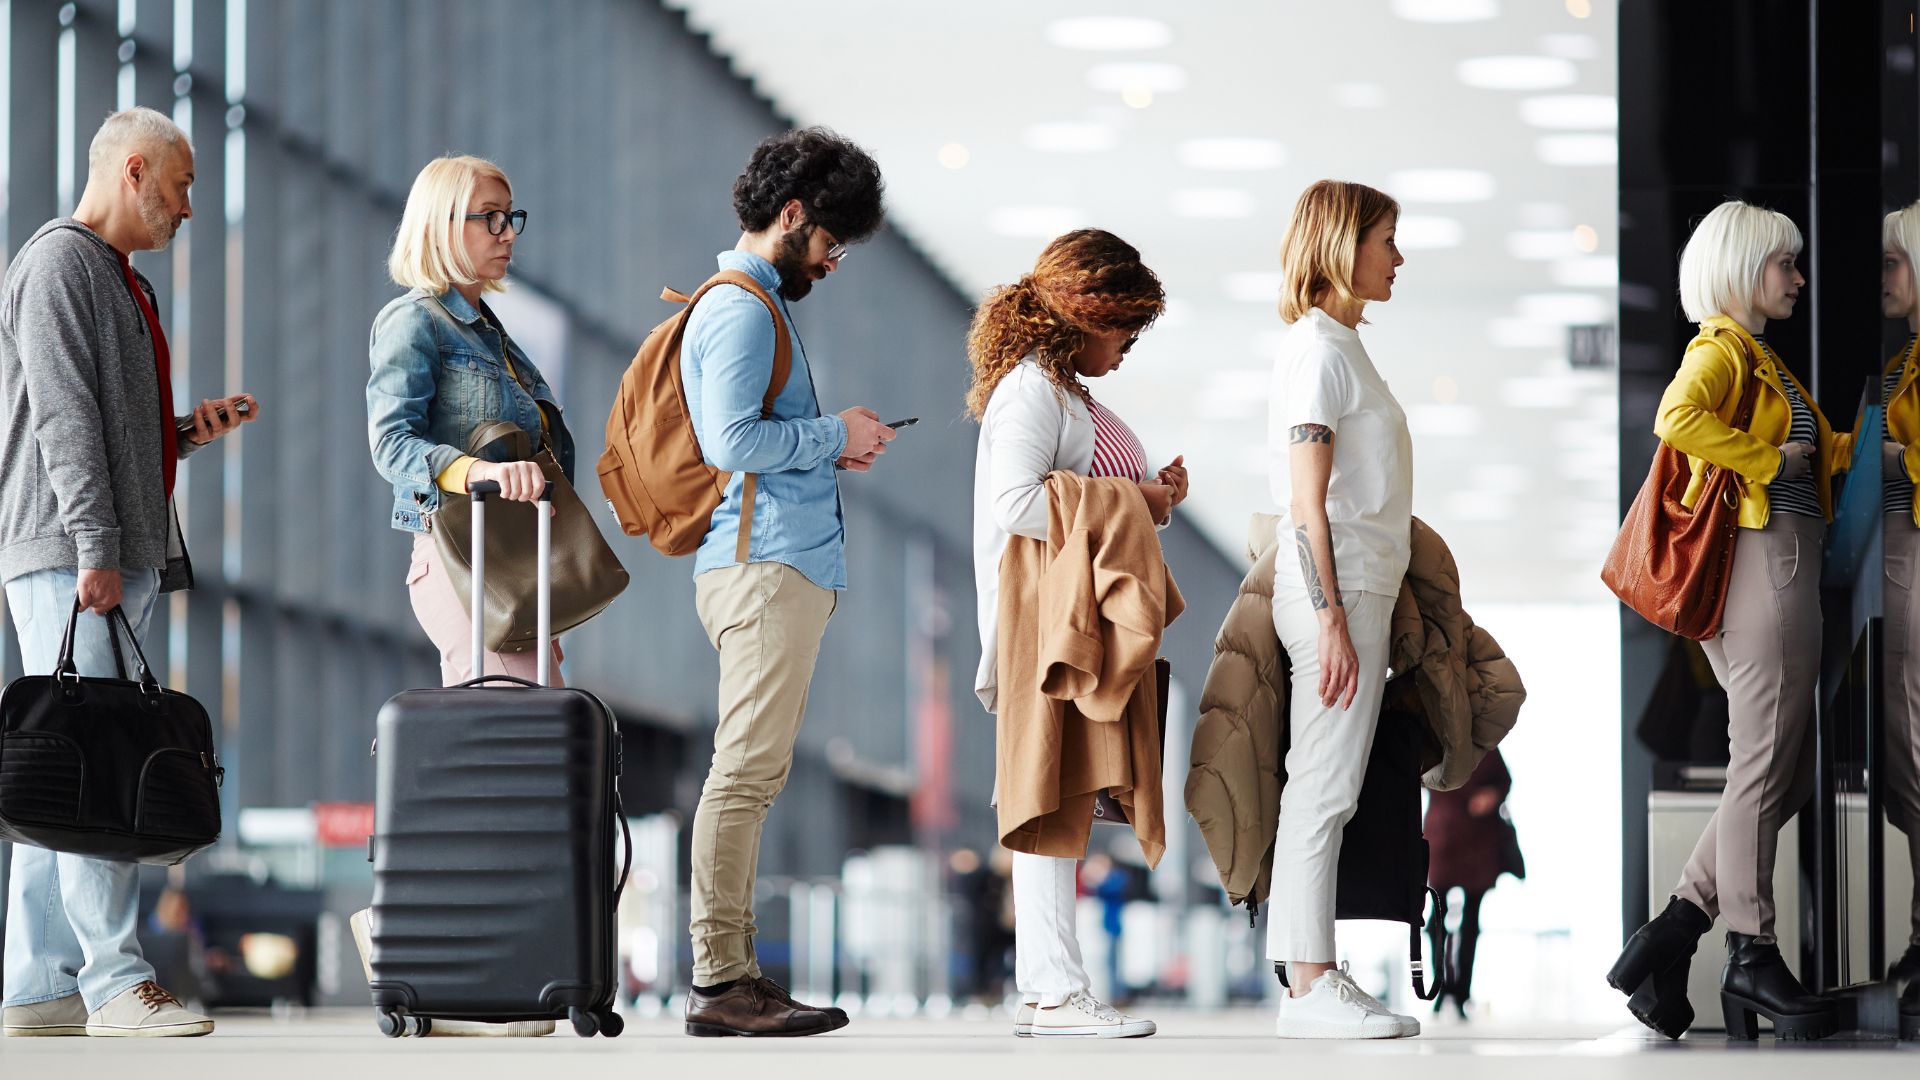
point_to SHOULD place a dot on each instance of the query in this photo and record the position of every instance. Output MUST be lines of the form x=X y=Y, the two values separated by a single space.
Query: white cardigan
x=1030 y=429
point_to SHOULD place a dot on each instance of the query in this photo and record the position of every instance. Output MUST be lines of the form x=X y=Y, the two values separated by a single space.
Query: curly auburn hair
x=835 y=180
x=1086 y=282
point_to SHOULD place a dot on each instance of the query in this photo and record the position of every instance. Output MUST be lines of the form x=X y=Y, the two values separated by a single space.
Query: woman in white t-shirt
x=1033 y=348
x=1341 y=464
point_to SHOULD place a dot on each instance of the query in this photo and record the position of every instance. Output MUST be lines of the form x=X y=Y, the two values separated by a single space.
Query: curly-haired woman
x=1033 y=346
x=1341 y=467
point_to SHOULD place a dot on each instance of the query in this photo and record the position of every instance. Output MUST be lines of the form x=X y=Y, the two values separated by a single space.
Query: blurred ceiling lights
x=1517 y=72
x=1105 y=33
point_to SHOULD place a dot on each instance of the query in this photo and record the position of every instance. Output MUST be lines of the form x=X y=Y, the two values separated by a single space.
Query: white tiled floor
x=1219 y=1046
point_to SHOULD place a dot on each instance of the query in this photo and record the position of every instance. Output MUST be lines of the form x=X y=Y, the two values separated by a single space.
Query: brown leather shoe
x=746 y=1008
x=779 y=993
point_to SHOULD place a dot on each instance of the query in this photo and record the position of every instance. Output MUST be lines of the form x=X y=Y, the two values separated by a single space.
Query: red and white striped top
x=1116 y=449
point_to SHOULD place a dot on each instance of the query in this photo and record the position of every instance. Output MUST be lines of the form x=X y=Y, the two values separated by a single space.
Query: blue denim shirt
x=726 y=360
x=437 y=375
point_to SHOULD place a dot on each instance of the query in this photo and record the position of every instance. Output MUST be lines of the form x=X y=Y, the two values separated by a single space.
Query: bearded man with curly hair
x=766 y=590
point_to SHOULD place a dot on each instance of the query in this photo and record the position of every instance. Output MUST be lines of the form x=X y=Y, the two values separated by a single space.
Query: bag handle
x=520 y=443
x=1414 y=934
x=117 y=623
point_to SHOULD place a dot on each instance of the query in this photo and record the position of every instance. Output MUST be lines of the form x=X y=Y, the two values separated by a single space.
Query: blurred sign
x=1590 y=346
x=342 y=824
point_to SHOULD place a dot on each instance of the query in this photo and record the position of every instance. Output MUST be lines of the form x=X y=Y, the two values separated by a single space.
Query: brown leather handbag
x=1671 y=564
x=586 y=574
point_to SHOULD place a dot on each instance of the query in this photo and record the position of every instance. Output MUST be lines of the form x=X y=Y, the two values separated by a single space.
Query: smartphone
x=908 y=422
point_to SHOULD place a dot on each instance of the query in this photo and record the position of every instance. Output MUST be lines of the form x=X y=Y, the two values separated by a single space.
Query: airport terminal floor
x=331 y=1044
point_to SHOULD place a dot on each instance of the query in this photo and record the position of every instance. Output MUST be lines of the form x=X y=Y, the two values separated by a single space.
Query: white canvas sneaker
x=61 y=1016
x=146 y=1011
x=1087 y=1017
x=1336 y=1008
x=1023 y=1020
x=361 y=923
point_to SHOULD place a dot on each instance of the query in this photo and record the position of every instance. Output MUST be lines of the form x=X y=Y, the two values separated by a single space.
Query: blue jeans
x=71 y=920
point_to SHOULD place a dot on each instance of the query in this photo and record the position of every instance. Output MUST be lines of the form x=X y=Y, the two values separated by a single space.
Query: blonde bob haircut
x=1901 y=232
x=430 y=248
x=1317 y=255
x=1721 y=265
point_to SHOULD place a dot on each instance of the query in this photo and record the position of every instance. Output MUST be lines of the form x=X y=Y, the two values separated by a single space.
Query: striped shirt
x=1797 y=495
x=1896 y=488
x=1116 y=449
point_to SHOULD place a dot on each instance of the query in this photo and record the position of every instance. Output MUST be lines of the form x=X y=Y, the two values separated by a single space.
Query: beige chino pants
x=1901 y=743
x=766 y=619
x=1767 y=657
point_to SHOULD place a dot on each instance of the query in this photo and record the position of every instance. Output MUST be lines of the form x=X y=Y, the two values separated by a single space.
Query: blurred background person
x=1473 y=842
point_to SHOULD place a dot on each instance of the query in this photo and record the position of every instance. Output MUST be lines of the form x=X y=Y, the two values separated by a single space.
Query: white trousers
x=1046 y=945
x=1325 y=764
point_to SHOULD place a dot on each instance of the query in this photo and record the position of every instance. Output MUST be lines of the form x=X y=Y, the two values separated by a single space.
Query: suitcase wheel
x=611 y=1024
x=585 y=1024
x=392 y=1024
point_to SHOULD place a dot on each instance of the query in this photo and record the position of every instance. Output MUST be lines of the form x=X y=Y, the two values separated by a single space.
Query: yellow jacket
x=1697 y=411
x=1903 y=417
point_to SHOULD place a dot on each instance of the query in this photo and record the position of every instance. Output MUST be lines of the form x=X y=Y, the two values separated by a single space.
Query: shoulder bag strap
x=782 y=368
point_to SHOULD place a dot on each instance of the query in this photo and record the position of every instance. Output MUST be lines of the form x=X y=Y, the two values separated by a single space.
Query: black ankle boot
x=1907 y=968
x=1653 y=968
x=1910 y=1012
x=1757 y=982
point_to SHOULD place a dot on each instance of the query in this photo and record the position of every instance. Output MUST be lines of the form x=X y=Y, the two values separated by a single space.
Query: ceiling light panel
x=1570 y=46
x=1118 y=78
x=1071 y=138
x=1214 y=203
x=1232 y=153
x=1426 y=232
x=1108 y=33
x=1575 y=150
x=1543 y=245
x=1359 y=95
x=1441 y=185
x=1517 y=72
x=1591 y=272
x=1589 y=112
x=1446 y=11
x=1565 y=309
x=1045 y=222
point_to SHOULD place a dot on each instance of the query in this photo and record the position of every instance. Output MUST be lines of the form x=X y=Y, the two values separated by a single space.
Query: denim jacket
x=437 y=376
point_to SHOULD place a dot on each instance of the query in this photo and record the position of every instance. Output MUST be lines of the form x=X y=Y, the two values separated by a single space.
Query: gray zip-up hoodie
x=81 y=470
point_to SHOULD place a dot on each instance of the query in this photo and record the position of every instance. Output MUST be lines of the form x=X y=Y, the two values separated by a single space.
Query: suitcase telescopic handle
x=543 y=635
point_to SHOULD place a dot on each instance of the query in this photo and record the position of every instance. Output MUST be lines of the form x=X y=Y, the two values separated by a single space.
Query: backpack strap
x=782 y=368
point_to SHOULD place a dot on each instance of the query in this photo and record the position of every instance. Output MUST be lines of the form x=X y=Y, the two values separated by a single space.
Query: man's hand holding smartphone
x=215 y=417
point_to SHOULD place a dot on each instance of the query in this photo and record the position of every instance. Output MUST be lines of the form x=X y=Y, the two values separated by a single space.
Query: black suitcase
x=494 y=888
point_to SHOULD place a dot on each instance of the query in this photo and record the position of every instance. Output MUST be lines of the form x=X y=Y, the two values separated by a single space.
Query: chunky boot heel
x=1910 y=1012
x=1664 y=1007
x=1668 y=939
x=1757 y=982
x=1742 y=1021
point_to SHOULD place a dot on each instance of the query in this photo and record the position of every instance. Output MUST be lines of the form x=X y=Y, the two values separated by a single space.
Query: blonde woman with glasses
x=443 y=365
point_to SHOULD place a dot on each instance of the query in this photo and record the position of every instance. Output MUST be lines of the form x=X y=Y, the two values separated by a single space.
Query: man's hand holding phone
x=867 y=439
x=215 y=417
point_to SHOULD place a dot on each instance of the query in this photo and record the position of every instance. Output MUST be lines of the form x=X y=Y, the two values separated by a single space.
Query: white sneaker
x=61 y=1016
x=1087 y=1017
x=1023 y=1020
x=1336 y=1008
x=146 y=1011
x=361 y=923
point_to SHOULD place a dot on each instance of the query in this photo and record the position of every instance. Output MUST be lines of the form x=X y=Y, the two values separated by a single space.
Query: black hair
x=835 y=180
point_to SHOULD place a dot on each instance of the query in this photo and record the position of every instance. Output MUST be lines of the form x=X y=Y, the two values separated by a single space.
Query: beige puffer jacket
x=1467 y=689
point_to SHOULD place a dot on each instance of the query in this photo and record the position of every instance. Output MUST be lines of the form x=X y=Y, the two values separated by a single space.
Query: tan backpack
x=652 y=471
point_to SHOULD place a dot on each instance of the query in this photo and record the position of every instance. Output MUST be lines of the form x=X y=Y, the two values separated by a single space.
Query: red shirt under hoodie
x=163 y=368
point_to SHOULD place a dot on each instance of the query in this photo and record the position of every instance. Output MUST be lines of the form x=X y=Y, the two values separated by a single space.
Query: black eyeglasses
x=1128 y=347
x=497 y=220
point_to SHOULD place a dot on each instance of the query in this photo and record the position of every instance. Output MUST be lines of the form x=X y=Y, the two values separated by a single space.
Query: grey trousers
x=1902 y=691
x=1767 y=657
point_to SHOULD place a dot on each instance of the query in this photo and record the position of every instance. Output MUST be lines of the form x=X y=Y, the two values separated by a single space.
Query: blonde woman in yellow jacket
x=1899 y=299
x=1738 y=273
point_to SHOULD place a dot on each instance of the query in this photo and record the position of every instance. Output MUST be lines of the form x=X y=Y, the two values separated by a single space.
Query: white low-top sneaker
x=61 y=1016
x=1087 y=1017
x=1336 y=1008
x=1023 y=1020
x=146 y=1011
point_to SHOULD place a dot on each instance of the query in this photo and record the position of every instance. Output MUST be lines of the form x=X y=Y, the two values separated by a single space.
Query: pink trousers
x=442 y=615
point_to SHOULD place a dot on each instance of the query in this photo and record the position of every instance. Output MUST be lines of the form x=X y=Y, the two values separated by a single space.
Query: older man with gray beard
x=87 y=517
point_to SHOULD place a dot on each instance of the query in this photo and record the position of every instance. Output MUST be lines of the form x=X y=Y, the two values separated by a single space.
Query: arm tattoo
x=1311 y=433
x=1311 y=573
